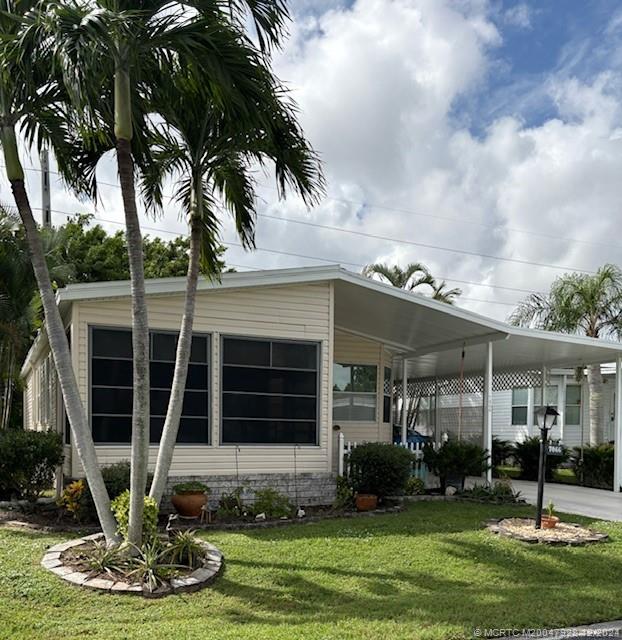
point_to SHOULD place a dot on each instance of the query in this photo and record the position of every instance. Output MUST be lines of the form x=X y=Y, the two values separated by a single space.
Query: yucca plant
x=186 y=549
x=107 y=559
x=150 y=566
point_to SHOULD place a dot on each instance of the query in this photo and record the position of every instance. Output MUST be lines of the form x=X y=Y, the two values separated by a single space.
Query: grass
x=562 y=475
x=430 y=572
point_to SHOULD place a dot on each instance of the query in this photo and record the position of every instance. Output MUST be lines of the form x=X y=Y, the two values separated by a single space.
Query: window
x=573 y=404
x=354 y=392
x=269 y=391
x=550 y=399
x=44 y=400
x=386 y=399
x=112 y=383
x=519 y=406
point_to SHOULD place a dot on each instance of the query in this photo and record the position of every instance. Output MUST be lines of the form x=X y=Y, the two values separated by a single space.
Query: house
x=282 y=362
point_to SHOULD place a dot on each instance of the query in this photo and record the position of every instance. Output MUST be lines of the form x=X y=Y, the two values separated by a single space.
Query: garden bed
x=565 y=533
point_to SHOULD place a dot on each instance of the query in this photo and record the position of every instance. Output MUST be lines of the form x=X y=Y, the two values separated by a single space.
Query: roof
x=429 y=334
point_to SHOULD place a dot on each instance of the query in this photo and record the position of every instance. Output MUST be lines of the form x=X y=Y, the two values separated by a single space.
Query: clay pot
x=189 y=505
x=549 y=522
x=366 y=501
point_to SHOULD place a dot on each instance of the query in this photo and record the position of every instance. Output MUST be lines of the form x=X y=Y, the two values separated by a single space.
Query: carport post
x=404 y=401
x=617 y=438
x=488 y=408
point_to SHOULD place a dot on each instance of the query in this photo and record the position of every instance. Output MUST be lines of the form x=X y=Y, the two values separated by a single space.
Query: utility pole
x=46 y=206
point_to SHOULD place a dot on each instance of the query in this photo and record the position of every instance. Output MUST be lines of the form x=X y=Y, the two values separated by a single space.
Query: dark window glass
x=112 y=343
x=291 y=355
x=268 y=432
x=114 y=373
x=112 y=428
x=247 y=352
x=198 y=349
x=386 y=409
x=195 y=403
x=163 y=346
x=269 y=381
x=243 y=405
x=519 y=415
x=191 y=430
x=111 y=401
x=67 y=431
x=161 y=374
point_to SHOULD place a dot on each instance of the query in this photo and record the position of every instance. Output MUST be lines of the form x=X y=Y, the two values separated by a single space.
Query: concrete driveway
x=593 y=503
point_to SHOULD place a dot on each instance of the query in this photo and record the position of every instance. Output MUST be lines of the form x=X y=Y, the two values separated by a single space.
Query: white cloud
x=518 y=16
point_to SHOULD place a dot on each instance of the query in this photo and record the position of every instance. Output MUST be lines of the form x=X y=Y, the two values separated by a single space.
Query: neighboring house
x=282 y=361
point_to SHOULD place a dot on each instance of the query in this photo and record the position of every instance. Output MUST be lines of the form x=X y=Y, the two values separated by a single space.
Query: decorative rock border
x=198 y=579
x=496 y=526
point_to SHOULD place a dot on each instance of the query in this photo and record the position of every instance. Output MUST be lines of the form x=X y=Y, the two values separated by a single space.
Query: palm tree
x=114 y=55
x=212 y=158
x=415 y=275
x=32 y=100
x=584 y=304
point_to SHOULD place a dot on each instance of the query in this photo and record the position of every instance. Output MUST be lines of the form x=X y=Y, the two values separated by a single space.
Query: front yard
x=430 y=572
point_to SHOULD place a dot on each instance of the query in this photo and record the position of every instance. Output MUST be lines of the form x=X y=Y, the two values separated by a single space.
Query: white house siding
x=294 y=311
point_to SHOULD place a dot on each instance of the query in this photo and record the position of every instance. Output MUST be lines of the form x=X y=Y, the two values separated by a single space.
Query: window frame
x=318 y=389
x=208 y=364
x=379 y=406
x=579 y=405
x=519 y=406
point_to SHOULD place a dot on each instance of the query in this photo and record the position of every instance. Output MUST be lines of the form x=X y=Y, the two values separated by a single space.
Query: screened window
x=44 y=383
x=386 y=398
x=112 y=383
x=550 y=400
x=573 y=404
x=354 y=392
x=519 y=406
x=269 y=391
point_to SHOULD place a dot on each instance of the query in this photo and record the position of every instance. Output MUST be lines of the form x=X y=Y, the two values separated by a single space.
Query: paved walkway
x=593 y=503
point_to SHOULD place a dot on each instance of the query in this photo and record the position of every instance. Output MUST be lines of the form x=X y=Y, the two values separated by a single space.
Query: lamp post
x=545 y=417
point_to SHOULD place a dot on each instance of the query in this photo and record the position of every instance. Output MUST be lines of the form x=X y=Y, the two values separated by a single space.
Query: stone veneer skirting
x=310 y=488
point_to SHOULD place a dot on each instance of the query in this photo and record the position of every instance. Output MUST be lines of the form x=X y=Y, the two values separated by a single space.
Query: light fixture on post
x=545 y=417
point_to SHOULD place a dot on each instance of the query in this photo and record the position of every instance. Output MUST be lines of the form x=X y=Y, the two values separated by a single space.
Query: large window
x=573 y=405
x=269 y=391
x=354 y=392
x=520 y=396
x=111 y=386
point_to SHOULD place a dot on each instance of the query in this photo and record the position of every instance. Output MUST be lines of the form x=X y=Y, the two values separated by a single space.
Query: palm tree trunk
x=595 y=385
x=182 y=358
x=80 y=429
x=140 y=346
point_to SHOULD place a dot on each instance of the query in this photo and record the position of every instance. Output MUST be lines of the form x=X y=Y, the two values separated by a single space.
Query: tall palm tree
x=212 y=158
x=584 y=304
x=32 y=101
x=128 y=48
x=414 y=276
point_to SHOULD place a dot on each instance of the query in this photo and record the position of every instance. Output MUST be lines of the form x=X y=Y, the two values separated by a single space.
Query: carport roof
x=428 y=333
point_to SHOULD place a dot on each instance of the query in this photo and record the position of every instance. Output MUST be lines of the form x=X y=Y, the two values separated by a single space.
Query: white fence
x=419 y=468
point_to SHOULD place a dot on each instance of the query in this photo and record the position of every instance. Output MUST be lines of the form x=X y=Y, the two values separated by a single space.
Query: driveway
x=593 y=503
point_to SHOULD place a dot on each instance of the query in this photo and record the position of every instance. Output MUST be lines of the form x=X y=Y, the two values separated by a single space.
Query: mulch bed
x=565 y=533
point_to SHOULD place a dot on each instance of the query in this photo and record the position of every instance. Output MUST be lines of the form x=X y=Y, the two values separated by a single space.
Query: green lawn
x=430 y=572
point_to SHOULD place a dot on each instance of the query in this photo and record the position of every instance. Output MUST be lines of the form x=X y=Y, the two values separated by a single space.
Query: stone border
x=494 y=526
x=198 y=579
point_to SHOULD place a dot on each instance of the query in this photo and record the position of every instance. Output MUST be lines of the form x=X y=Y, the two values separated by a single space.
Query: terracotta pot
x=189 y=505
x=549 y=522
x=366 y=501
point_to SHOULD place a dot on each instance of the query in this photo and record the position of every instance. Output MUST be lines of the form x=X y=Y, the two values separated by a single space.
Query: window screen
x=111 y=386
x=269 y=391
x=520 y=397
x=354 y=392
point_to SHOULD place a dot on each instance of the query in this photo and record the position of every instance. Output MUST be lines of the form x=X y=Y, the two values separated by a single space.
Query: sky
x=480 y=137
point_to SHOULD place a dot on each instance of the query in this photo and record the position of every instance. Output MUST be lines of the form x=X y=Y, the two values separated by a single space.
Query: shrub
x=501 y=492
x=527 y=456
x=149 y=566
x=344 y=494
x=596 y=468
x=72 y=499
x=192 y=486
x=186 y=549
x=455 y=459
x=502 y=451
x=231 y=505
x=28 y=462
x=380 y=469
x=272 y=503
x=121 y=508
x=414 y=486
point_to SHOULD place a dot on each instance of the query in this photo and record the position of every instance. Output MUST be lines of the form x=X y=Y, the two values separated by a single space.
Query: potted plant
x=189 y=498
x=378 y=470
x=550 y=520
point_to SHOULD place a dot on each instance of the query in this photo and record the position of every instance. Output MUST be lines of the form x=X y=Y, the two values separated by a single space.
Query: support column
x=617 y=464
x=488 y=408
x=404 y=401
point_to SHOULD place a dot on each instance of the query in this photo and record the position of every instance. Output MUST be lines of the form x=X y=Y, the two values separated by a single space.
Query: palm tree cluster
x=584 y=304
x=412 y=278
x=177 y=91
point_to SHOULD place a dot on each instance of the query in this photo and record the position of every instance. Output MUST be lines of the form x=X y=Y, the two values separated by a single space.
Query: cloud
x=518 y=16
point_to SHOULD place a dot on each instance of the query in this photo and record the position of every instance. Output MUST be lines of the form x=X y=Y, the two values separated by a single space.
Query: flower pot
x=549 y=522
x=366 y=501
x=189 y=505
